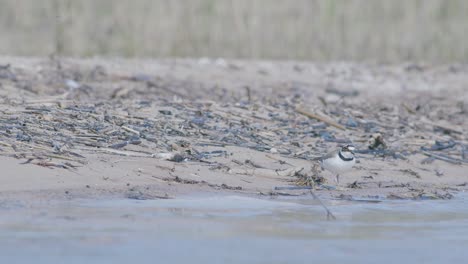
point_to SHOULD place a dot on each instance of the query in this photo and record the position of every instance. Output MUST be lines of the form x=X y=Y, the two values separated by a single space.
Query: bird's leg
x=338 y=188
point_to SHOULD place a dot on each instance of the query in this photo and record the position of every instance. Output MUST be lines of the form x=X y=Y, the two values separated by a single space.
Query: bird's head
x=348 y=148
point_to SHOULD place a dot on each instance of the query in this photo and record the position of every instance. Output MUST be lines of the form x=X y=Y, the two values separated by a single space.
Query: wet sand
x=145 y=129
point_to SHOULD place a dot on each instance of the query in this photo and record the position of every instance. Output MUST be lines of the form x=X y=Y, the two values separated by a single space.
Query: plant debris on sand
x=240 y=126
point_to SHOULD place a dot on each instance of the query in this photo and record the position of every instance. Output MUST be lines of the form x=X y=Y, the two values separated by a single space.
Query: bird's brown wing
x=330 y=154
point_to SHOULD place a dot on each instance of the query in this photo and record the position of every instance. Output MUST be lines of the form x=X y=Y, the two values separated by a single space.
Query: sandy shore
x=147 y=129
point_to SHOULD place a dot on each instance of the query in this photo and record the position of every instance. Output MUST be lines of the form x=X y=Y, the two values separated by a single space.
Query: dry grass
x=397 y=30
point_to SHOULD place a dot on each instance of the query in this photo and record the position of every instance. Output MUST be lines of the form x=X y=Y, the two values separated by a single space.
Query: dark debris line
x=142 y=118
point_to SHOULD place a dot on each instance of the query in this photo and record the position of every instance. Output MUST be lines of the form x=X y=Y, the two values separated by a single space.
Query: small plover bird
x=339 y=161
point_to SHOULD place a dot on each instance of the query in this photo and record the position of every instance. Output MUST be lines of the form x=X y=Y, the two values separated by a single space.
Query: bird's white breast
x=337 y=165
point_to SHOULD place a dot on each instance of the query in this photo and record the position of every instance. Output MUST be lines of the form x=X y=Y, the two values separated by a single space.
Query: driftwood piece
x=442 y=157
x=324 y=119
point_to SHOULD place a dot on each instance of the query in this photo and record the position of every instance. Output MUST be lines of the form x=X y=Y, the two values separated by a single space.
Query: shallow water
x=231 y=229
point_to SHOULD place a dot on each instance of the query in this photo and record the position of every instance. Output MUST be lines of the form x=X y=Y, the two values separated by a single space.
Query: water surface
x=232 y=229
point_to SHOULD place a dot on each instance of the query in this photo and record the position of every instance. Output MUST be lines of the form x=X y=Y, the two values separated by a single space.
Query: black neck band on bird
x=344 y=158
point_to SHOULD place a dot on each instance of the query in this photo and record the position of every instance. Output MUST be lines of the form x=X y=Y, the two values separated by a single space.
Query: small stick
x=5 y=144
x=320 y=118
x=249 y=97
x=32 y=146
x=130 y=130
x=447 y=159
x=280 y=188
x=120 y=152
x=408 y=108
x=62 y=157
x=279 y=160
x=444 y=127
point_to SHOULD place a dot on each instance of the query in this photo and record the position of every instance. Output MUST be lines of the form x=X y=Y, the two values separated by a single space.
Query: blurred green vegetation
x=362 y=30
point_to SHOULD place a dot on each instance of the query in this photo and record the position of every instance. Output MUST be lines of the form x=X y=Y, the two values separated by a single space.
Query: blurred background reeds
x=359 y=30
